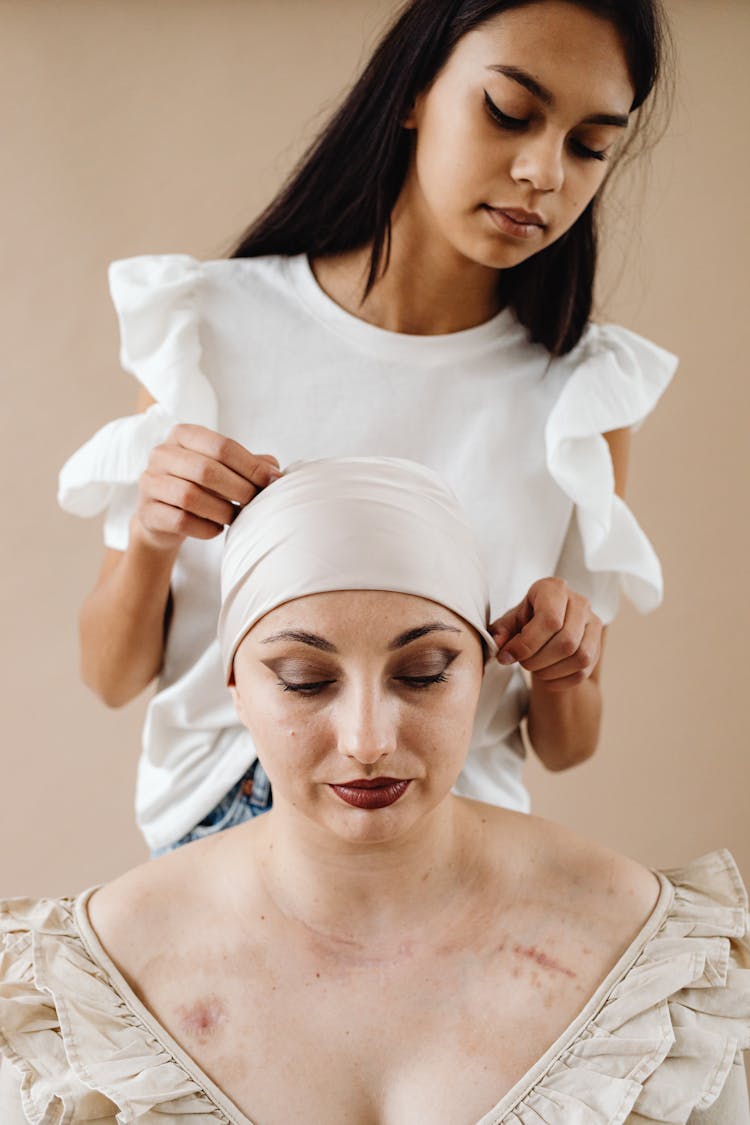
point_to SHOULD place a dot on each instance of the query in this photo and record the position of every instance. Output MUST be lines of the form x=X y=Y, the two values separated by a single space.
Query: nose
x=366 y=725
x=539 y=162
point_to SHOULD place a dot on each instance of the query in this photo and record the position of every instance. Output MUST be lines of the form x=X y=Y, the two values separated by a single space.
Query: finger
x=270 y=458
x=566 y=641
x=510 y=623
x=189 y=497
x=159 y=517
x=260 y=471
x=547 y=619
x=565 y=683
x=197 y=468
x=583 y=661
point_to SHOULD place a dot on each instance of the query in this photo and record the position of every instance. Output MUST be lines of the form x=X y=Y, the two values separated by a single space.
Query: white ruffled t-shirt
x=254 y=349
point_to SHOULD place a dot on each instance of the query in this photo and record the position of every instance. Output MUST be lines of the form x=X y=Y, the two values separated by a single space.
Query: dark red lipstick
x=372 y=793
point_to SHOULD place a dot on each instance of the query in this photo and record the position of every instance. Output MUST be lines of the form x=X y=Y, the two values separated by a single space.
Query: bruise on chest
x=201 y=1019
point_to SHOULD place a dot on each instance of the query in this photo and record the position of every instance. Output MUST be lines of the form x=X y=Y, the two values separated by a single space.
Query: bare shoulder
x=143 y=910
x=614 y=893
x=574 y=878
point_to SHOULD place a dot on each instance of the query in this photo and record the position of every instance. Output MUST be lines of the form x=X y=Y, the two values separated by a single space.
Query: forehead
x=566 y=47
x=371 y=617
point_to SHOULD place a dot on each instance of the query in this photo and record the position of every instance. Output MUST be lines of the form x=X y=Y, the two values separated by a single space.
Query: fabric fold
x=82 y=1052
x=156 y=299
x=616 y=380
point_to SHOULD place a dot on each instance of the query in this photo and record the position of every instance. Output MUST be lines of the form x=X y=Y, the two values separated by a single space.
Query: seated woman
x=375 y=950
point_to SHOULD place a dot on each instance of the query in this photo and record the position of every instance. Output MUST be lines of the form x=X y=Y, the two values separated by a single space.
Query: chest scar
x=542 y=959
x=202 y=1018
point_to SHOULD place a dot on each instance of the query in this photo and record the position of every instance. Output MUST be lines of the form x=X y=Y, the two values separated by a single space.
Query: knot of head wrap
x=357 y=523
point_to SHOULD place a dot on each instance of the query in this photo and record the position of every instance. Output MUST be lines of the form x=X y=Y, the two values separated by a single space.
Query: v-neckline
x=493 y=1116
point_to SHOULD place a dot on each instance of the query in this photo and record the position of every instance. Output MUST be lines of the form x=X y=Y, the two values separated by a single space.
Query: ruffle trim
x=82 y=1052
x=157 y=300
x=664 y=1040
x=157 y=303
x=615 y=381
x=661 y=1044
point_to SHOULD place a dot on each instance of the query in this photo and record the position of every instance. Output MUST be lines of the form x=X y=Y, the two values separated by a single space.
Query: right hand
x=193 y=483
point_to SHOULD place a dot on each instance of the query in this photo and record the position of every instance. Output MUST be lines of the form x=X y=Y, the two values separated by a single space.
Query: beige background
x=164 y=125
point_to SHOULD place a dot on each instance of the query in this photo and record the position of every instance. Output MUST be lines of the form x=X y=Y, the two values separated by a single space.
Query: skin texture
x=445 y=254
x=325 y=963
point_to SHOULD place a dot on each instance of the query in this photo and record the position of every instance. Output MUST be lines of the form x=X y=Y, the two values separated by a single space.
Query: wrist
x=158 y=546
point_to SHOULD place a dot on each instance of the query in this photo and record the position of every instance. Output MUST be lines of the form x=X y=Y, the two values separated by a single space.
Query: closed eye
x=586 y=152
x=421 y=682
x=311 y=688
x=501 y=118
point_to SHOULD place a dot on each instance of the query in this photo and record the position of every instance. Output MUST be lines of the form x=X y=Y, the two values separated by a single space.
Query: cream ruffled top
x=659 y=1041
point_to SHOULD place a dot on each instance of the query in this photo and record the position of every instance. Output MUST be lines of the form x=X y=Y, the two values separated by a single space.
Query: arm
x=564 y=659
x=189 y=489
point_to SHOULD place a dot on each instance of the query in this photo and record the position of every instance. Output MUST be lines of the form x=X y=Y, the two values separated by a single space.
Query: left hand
x=553 y=633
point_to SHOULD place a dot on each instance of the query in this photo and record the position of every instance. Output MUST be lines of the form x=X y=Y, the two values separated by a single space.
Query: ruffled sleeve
x=157 y=300
x=616 y=379
x=664 y=1045
x=79 y=1052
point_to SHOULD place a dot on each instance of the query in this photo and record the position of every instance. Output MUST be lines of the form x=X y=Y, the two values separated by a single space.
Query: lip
x=515 y=221
x=372 y=793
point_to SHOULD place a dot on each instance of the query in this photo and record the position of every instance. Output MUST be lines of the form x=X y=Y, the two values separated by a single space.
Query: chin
x=500 y=256
x=382 y=826
x=372 y=827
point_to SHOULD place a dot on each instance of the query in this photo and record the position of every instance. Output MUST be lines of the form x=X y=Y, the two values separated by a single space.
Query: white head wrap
x=350 y=523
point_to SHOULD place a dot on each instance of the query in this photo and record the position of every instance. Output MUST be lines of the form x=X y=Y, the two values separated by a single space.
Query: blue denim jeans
x=248 y=797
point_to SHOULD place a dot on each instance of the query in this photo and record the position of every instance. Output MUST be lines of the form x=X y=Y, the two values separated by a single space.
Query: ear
x=238 y=704
x=410 y=120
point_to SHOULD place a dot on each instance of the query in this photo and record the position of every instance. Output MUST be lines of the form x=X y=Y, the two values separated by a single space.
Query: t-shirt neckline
x=384 y=342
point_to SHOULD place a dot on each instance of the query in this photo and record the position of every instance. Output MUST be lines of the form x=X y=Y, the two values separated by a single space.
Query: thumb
x=510 y=623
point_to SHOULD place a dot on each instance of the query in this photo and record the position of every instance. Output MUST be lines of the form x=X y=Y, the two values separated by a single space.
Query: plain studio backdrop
x=150 y=126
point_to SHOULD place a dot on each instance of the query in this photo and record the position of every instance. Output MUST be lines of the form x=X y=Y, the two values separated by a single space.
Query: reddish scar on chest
x=539 y=957
x=202 y=1018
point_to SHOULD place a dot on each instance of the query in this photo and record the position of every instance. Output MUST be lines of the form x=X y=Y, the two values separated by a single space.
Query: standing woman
x=420 y=288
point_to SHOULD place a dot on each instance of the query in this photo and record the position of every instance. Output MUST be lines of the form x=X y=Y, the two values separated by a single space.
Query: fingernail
x=506 y=658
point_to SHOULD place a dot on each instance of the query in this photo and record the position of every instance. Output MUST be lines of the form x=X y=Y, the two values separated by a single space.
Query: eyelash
x=516 y=124
x=417 y=683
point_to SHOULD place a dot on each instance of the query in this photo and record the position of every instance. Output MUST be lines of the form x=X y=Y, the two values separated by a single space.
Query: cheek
x=582 y=185
x=445 y=725
x=282 y=729
x=452 y=158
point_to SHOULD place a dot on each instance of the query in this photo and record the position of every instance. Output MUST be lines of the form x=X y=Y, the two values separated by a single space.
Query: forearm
x=122 y=623
x=563 y=726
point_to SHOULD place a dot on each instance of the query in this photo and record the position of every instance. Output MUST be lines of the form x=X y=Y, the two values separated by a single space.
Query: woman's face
x=361 y=705
x=515 y=135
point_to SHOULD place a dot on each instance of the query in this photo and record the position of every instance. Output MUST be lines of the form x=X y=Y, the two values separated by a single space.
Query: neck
x=428 y=289
x=336 y=888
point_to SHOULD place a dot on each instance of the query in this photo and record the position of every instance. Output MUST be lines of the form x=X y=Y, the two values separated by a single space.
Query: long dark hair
x=342 y=192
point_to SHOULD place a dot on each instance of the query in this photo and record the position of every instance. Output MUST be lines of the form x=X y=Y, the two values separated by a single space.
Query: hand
x=193 y=483
x=553 y=633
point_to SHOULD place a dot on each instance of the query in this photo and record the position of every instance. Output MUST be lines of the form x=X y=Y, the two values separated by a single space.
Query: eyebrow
x=304 y=638
x=421 y=631
x=321 y=643
x=523 y=78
